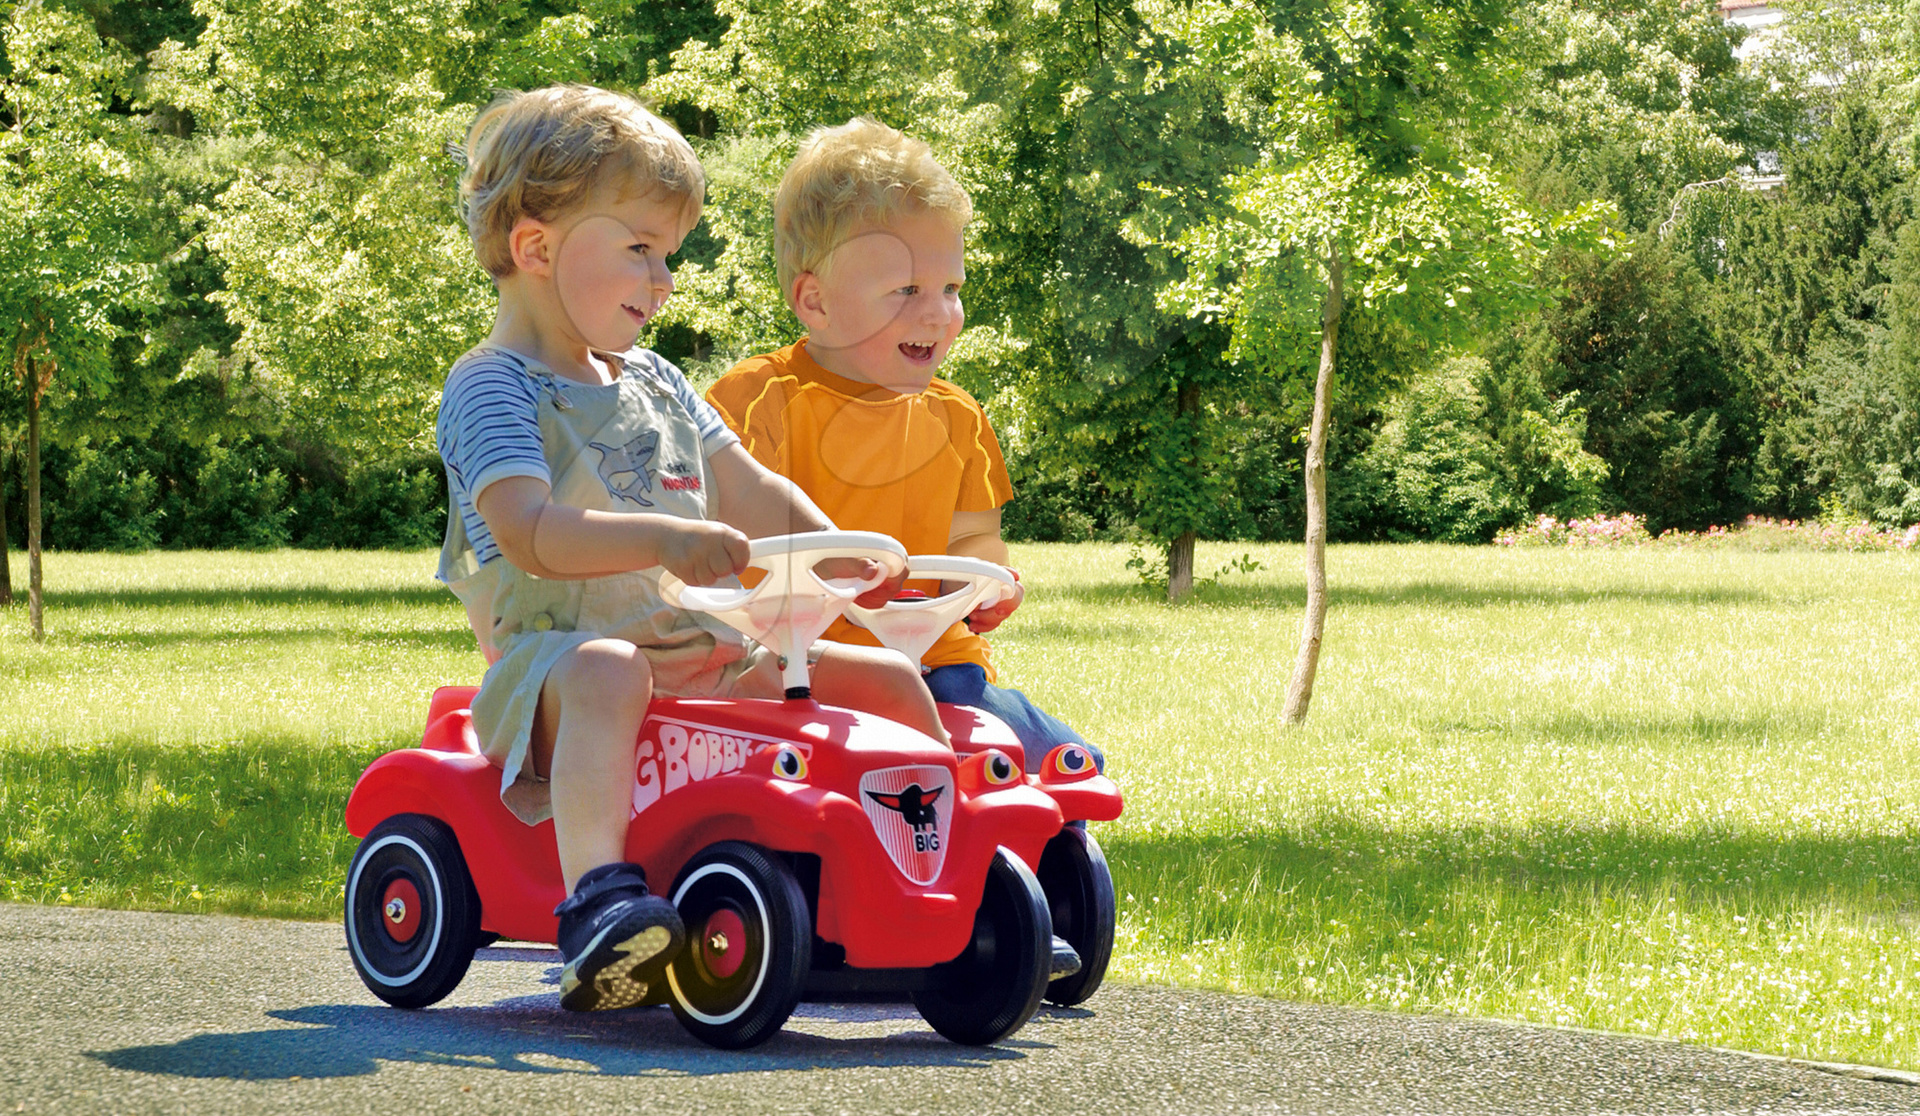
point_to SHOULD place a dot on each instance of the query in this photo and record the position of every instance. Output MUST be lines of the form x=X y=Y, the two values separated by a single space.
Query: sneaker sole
x=617 y=974
x=1066 y=961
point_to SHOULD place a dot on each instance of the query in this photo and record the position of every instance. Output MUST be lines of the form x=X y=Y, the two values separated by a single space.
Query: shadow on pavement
x=531 y=1035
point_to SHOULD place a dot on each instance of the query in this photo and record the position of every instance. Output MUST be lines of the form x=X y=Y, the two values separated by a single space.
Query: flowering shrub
x=1761 y=533
x=1625 y=529
x=1756 y=533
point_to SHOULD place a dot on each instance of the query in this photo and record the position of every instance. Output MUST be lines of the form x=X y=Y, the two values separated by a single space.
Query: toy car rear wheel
x=413 y=917
x=994 y=986
x=1073 y=873
x=749 y=945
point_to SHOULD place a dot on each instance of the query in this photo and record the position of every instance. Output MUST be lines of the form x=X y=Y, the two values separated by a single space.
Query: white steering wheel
x=911 y=627
x=792 y=605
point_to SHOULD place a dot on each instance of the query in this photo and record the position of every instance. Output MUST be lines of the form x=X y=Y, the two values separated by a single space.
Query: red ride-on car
x=816 y=852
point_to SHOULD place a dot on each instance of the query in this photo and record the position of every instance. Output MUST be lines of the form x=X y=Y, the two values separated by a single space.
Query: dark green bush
x=106 y=503
x=391 y=507
x=237 y=501
x=248 y=493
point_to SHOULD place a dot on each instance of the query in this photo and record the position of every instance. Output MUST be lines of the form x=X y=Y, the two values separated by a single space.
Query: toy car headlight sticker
x=1067 y=763
x=999 y=770
x=911 y=809
x=788 y=763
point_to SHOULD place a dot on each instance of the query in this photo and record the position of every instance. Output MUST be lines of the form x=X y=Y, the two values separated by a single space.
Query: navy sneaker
x=1066 y=960
x=617 y=938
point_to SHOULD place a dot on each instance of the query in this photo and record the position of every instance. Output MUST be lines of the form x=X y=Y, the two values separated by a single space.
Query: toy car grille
x=912 y=812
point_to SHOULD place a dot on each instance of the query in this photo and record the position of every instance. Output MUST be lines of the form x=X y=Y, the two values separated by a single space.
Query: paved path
x=123 y=1012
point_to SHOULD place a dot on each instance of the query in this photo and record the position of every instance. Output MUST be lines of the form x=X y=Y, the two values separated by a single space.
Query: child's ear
x=806 y=299
x=530 y=246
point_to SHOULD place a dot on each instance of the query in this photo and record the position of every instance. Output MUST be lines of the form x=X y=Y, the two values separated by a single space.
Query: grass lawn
x=1672 y=792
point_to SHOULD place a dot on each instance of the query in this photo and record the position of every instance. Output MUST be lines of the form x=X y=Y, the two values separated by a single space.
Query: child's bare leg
x=878 y=681
x=616 y=937
x=589 y=718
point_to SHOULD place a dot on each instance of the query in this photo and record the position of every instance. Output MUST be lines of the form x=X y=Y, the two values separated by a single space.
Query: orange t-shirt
x=874 y=460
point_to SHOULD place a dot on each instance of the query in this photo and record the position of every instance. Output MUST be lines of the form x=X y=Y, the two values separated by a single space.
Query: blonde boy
x=868 y=243
x=578 y=467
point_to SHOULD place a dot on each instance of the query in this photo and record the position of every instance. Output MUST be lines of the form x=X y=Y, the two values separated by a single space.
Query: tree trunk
x=1300 y=686
x=35 y=615
x=1180 y=550
x=6 y=577
x=1180 y=567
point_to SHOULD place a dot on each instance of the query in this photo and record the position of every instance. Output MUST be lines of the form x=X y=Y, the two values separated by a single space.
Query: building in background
x=1759 y=17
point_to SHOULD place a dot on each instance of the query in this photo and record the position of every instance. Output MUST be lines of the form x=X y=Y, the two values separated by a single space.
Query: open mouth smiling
x=917 y=353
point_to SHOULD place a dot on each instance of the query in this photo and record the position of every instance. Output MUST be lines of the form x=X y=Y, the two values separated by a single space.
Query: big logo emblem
x=912 y=813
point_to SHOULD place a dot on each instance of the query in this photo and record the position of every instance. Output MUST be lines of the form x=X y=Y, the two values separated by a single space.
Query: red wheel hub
x=400 y=910
x=723 y=943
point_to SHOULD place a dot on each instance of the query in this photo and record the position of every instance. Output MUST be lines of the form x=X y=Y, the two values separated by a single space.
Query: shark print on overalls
x=635 y=459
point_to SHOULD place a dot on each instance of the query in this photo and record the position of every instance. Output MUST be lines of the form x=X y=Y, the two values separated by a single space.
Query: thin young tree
x=6 y=573
x=1372 y=205
x=72 y=250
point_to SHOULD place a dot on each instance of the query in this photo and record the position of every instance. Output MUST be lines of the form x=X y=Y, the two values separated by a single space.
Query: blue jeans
x=1039 y=731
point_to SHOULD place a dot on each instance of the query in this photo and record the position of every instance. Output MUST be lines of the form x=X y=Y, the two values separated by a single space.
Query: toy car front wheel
x=1073 y=873
x=749 y=945
x=994 y=986
x=413 y=917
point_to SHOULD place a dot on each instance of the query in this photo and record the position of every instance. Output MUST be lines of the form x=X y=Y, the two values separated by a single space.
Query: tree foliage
x=74 y=247
x=239 y=234
x=74 y=250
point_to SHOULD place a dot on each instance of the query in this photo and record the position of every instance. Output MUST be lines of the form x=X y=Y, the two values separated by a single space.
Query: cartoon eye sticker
x=998 y=770
x=788 y=763
x=1070 y=760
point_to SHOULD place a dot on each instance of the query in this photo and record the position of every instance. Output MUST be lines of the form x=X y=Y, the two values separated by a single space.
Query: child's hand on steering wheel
x=879 y=595
x=984 y=620
x=860 y=569
x=701 y=552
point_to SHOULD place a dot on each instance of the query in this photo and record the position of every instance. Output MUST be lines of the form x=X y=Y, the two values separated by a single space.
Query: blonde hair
x=540 y=153
x=857 y=175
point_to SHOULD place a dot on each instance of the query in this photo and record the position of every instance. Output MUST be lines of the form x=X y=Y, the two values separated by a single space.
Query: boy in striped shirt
x=578 y=466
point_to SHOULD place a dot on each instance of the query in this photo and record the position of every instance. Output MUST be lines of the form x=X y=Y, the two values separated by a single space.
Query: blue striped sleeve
x=488 y=430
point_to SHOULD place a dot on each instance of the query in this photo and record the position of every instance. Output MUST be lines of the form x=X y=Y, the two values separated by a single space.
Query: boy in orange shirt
x=867 y=235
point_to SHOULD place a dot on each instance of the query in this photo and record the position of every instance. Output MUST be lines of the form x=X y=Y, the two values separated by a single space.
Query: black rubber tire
x=749 y=1005
x=1073 y=873
x=428 y=964
x=995 y=985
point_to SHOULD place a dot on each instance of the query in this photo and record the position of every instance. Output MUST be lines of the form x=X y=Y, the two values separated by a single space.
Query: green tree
x=1629 y=103
x=1119 y=142
x=74 y=234
x=1630 y=342
x=344 y=267
x=343 y=264
x=1466 y=450
x=1803 y=305
x=1831 y=52
x=1369 y=205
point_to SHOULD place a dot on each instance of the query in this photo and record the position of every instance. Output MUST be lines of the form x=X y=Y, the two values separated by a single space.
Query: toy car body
x=815 y=852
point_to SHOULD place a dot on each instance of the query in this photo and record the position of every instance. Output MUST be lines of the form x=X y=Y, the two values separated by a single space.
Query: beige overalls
x=628 y=446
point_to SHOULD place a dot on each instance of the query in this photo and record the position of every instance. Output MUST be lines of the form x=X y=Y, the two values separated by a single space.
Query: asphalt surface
x=127 y=1012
